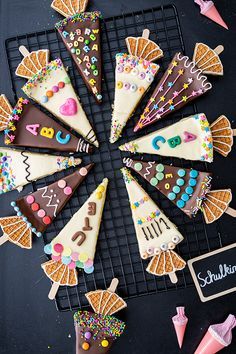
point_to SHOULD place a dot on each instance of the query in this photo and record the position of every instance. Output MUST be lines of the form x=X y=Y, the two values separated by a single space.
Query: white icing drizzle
x=127 y=161
x=82 y=146
x=55 y=206
x=150 y=164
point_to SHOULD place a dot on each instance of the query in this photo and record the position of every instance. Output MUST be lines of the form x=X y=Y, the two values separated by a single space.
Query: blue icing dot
x=176 y=189
x=39 y=234
x=13 y=204
x=185 y=197
x=180 y=182
x=66 y=260
x=192 y=182
x=189 y=190
x=44 y=99
x=172 y=196
x=193 y=173
x=210 y=146
x=19 y=213
x=48 y=249
x=89 y=270
x=180 y=203
x=34 y=230
x=181 y=173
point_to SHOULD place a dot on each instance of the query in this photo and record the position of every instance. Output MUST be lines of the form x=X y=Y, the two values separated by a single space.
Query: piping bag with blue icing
x=49 y=85
x=36 y=211
x=182 y=82
x=157 y=236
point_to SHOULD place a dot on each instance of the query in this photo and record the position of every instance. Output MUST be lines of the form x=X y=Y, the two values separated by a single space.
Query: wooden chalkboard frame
x=193 y=274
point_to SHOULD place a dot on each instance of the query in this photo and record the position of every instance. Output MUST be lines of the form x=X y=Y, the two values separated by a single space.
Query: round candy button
x=66 y=252
x=74 y=256
x=87 y=335
x=61 y=84
x=49 y=93
x=192 y=182
x=85 y=346
x=164 y=246
x=73 y=50
x=138 y=166
x=141 y=90
x=66 y=260
x=185 y=197
x=189 y=190
x=172 y=196
x=160 y=167
x=142 y=76
x=133 y=88
x=47 y=220
x=98 y=195
x=67 y=191
x=89 y=270
x=175 y=239
x=101 y=189
x=86 y=41
x=83 y=257
x=119 y=85
x=30 y=199
x=58 y=248
x=105 y=343
x=67 y=80
x=41 y=213
x=160 y=176
x=193 y=174
x=61 y=184
x=127 y=69
x=83 y=171
x=126 y=86
x=72 y=265
x=154 y=181
x=88 y=263
x=134 y=71
x=120 y=68
x=44 y=99
x=149 y=78
x=180 y=203
x=48 y=249
x=180 y=182
x=35 y=206
x=55 y=89
x=181 y=173
x=176 y=189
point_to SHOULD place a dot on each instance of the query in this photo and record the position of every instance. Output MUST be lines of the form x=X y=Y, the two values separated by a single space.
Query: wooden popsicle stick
x=231 y=212
x=24 y=51
x=146 y=33
x=53 y=291
x=234 y=132
x=173 y=278
x=219 y=49
x=3 y=239
x=113 y=285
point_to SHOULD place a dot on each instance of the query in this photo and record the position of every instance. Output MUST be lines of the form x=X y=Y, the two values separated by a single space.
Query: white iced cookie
x=154 y=231
x=51 y=88
x=190 y=138
x=19 y=167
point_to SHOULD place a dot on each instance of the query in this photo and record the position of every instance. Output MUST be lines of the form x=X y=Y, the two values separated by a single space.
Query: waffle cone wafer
x=106 y=302
x=222 y=135
x=208 y=60
x=5 y=112
x=215 y=204
x=16 y=231
x=64 y=7
x=166 y=262
x=143 y=47
x=32 y=62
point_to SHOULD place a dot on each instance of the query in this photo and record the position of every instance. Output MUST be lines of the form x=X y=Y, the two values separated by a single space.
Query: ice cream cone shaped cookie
x=69 y=7
x=134 y=74
x=20 y=167
x=30 y=127
x=36 y=211
x=182 y=82
x=180 y=323
x=51 y=88
x=75 y=245
x=192 y=138
x=157 y=236
x=5 y=112
x=106 y=302
x=96 y=332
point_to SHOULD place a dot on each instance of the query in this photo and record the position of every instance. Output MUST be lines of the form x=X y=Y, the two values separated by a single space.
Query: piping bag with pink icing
x=49 y=85
x=217 y=337
x=208 y=9
x=180 y=322
x=182 y=83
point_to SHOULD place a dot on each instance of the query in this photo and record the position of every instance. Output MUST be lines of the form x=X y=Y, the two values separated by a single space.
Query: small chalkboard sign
x=214 y=273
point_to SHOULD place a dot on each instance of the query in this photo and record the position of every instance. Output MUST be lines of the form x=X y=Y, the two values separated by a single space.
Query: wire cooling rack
x=117 y=250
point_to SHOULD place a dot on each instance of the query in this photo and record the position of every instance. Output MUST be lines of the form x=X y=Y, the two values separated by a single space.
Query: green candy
x=160 y=176
x=86 y=41
x=93 y=67
x=138 y=166
x=79 y=264
x=67 y=80
x=160 y=167
x=154 y=181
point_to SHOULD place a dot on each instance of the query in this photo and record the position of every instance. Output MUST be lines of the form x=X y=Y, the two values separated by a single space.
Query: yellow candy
x=105 y=343
x=98 y=195
x=83 y=257
x=101 y=189
x=119 y=85
x=66 y=252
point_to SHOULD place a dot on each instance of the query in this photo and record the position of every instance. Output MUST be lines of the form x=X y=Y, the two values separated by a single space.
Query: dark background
x=29 y=322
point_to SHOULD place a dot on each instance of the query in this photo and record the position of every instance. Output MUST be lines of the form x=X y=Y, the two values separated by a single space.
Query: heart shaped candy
x=69 y=108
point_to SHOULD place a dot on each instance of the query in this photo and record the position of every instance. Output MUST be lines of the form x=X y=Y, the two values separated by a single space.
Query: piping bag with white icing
x=49 y=85
x=20 y=167
x=189 y=189
x=182 y=82
x=192 y=138
x=134 y=74
x=36 y=211
x=75 y=245
x=157 y=236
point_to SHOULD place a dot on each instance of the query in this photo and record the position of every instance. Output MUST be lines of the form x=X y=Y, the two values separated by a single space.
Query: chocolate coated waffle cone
x=17 y=231
x=5 y=112
x=207 y=60
x=165 y=262
x=60 y=273
x=222 y=135
x=215 y=204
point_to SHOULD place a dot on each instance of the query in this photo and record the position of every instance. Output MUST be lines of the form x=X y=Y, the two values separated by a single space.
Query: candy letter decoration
x=36 y=211
x=28 y=126
x=75 y=245
x=192 y=138
x=182 y=82
x=97 y=331
x=157 y=236
x=81 y=35
x=19 y=167
x=51 y=88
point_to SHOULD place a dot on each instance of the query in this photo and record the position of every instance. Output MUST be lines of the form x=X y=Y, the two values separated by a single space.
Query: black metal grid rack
x=117 y=251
